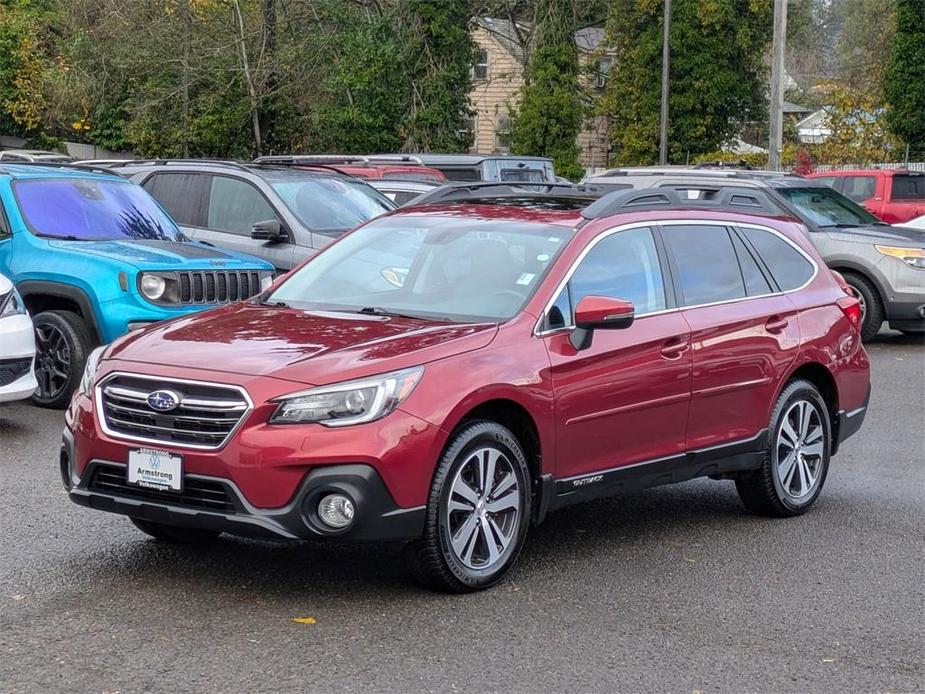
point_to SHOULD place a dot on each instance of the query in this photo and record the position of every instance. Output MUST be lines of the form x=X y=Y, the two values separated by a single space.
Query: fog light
x=336 y=511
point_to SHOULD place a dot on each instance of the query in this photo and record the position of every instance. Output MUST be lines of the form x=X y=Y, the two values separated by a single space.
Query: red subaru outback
x=451 y=373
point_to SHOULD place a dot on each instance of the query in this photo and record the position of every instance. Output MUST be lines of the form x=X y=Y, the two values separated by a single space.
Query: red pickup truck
x=893 y=196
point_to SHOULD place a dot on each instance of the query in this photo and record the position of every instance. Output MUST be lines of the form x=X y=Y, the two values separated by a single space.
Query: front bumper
x=102 y=487
x=908 y=314
x=17 y=343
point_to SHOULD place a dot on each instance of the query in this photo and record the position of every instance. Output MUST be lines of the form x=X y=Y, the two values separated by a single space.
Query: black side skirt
x=717 y=461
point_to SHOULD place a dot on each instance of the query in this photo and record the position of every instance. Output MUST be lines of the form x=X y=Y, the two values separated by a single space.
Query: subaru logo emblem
x=163 y=400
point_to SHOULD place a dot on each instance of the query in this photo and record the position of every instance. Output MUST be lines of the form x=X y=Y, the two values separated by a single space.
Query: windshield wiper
x=275 y=304
x=379 y=311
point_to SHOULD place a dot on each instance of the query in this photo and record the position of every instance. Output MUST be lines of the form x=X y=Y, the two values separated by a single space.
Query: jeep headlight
x=152 y=286
x=351 y=402
x=90 y=369
x=913 y=257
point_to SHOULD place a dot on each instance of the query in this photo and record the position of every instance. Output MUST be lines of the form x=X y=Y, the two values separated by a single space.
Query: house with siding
x=498 y=75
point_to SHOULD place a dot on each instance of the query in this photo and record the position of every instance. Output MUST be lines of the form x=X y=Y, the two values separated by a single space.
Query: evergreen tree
x=551 y=111
x=904 y=82
x=718 y=75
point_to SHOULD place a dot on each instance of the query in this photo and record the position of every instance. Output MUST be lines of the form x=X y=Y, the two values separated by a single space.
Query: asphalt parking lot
x=674 y=589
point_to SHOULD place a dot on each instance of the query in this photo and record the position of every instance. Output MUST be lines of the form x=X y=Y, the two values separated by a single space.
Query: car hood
x=311 y=348
x=886 y=235
x=151 y=254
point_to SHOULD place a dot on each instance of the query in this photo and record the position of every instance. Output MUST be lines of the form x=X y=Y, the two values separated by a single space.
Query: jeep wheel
x=478 y=512
x=796 y=461
x=62 y=343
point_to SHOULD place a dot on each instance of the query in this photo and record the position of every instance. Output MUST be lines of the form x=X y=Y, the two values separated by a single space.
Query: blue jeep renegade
x=94 y=256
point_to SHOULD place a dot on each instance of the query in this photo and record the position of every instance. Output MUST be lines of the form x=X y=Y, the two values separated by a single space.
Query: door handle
x=674 y=348
x=776 y=324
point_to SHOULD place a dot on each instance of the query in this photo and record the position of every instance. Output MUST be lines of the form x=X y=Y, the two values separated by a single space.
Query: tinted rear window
x=183 y=195
x=908 y=187
x=472 y=174
x=788 y=266
x=85 y=209
x=708 y=269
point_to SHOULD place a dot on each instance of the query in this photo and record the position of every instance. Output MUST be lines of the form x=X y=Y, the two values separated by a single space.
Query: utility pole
x=777 y=84
x=663 y=124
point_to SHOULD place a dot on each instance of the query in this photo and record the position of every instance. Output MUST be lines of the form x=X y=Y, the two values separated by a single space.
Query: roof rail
x=395 y=159
x=297 y=160
x=166 y=162
x=718 y=195
x=495 y=190
x=60 y=165
x=291 y=159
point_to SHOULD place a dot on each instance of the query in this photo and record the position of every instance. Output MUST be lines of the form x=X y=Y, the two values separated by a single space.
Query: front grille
x=13 y=369
x=217 y=286
x=197 y=493
x=205 y=417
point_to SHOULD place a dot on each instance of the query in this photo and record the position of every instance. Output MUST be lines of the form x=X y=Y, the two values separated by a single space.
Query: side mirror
x=270 y=230
x=600 y=313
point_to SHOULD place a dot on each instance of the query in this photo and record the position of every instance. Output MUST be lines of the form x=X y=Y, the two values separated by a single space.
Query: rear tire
x=796 y=460
x=872 y=313
x=174 y=533
x=478 y=512
x=62 y=343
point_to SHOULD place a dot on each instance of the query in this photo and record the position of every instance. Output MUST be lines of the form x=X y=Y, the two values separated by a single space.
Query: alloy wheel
x=483 y=509
x=800 y=450
x=52 y=360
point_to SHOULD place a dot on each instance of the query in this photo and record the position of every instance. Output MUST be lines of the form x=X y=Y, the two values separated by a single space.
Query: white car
x=17 y=346
x=917 y=223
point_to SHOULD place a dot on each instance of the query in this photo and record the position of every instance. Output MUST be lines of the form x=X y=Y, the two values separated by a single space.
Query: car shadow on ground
x=598 y=533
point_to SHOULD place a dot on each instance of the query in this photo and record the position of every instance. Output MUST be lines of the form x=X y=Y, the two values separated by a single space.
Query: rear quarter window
x=908 y=187
x=789 y=267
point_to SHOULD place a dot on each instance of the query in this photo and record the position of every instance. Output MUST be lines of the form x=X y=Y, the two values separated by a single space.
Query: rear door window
x=908 y=187
x=463 y=174
x=860 y=188
x=789 y=267
x=708 y=269
x=756 y=284
x=183 y=195
x=235 y=206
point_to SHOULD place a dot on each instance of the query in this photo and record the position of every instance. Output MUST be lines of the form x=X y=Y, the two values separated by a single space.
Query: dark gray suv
x=885 y=265
x=279 y=213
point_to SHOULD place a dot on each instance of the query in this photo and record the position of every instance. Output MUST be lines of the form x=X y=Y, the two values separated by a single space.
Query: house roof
x=504 y=32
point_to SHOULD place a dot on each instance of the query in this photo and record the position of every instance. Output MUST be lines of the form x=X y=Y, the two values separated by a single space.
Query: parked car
x=393 y=167
x=17 y=345
x=892 y=196
x=402 y=192
x=884 y=265
x=507 y=168
x=531 y=354
x=33 y=155
x=281 y=213
x=917 y=223
x=94 y=256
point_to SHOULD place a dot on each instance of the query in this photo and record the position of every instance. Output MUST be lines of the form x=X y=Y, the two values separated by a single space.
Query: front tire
x=62 y=343
x=796 y=461
x=174 y=533
x=872 y=312
x=478 y=512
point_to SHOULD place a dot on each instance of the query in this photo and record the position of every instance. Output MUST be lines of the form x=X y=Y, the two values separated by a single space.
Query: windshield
x=330 y=205
x=826 y=208
x=452 y=269
x=90 y=209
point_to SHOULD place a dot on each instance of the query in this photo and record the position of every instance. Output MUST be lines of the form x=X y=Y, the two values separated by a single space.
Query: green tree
x=550 y=113
x=904 y=82
x=718 y=74
x=438 y=55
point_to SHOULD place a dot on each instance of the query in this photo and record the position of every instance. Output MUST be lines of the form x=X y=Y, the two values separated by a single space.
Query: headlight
x=152 y=286
x=11 y=304
x=913 y=257
x=89 y=377
x=265 y=282
x=352 y=402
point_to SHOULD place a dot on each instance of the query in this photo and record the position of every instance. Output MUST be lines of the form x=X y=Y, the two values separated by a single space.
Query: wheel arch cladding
x=822 y=378
x=515 y=417
x=49 y=296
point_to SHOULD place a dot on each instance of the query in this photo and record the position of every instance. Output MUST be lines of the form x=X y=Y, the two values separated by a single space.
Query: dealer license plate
x=155 y=469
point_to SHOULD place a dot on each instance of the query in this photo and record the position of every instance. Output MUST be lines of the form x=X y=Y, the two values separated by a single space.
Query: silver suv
x=885 y=265
x=280 y=213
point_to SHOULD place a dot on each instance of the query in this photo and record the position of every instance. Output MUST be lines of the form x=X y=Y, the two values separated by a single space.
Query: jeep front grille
x=217 y=286
x=206 y=416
